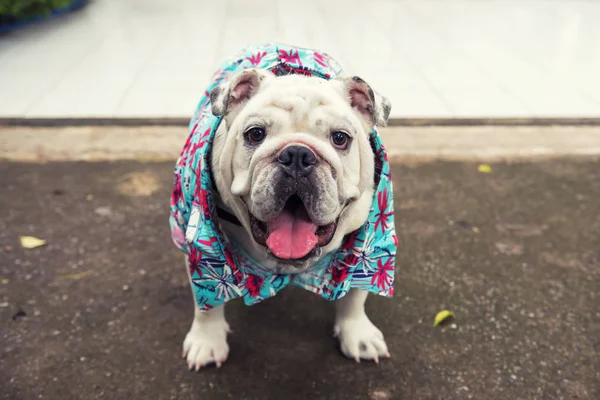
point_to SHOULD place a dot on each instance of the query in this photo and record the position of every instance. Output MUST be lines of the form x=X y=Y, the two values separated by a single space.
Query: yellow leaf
x=475 y=229
x=442 y=316
x=89 y=197
x=30 y=242
x=74 y=277
x=4 y=281
x=486 y=169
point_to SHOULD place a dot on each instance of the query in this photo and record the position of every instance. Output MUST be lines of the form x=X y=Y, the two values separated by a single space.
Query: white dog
x=294 y=170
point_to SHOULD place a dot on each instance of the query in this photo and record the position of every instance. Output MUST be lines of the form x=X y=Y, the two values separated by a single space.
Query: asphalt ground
x=100 y=311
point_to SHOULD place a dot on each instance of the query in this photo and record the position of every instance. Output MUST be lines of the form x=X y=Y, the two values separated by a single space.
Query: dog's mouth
x=292 y=235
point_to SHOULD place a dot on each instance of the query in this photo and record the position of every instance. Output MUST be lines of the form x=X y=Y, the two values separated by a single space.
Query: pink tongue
x=292 y=236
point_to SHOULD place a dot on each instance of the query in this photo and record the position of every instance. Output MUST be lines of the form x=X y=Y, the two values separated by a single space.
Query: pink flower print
x=339 y=274
x=194 y=258
x=290 y=57
x=382 y=216
x=253 y=284
x=382 y=277
x=321 y=59
x=255 y=58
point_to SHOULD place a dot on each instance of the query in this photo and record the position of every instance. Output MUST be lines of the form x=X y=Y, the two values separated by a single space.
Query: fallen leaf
x=442 y=316
x=89 y=197
x=4 y=281
x=30 y=242
x=485 y=168
x=7 y=248
x=74 y=277
x=475 y=229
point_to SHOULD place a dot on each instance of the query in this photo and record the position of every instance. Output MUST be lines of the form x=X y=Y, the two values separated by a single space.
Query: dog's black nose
x=297 y=160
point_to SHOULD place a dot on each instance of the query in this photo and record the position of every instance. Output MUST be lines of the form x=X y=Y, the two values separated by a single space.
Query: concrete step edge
x=404 y=144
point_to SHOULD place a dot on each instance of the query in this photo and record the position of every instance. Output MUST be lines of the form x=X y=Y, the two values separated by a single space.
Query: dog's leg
x=206 y=342
x=359 y=338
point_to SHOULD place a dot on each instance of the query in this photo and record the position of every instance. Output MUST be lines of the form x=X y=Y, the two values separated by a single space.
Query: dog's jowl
x=284 y=180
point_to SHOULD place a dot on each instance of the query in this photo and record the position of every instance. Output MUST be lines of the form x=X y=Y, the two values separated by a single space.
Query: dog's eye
x=255 y=135
x=340 y=140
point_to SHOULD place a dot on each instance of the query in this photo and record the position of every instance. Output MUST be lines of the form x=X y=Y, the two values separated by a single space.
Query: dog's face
x=294 y=161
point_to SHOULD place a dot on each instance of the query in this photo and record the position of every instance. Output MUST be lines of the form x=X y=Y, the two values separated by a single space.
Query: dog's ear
x=239 y=89
x=374 y=107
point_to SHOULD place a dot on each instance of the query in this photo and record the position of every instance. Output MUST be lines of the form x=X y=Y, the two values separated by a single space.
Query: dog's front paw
x=360 y=339
x=205 y=344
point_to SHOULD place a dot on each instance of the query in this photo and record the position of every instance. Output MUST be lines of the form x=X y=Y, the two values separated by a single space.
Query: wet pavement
x=101 y=311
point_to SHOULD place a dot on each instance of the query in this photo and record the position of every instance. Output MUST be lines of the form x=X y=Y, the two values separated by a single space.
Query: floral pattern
x=219 y=269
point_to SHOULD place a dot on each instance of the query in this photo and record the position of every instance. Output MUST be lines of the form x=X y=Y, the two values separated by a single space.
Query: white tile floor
x=453 y=58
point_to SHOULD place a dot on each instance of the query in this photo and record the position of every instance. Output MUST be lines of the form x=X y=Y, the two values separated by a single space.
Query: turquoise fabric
x=220 y=270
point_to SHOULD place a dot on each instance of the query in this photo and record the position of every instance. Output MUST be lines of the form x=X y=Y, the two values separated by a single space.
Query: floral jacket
x=220 y=270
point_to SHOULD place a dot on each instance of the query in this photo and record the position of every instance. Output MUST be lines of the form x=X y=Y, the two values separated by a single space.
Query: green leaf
x=442 y=316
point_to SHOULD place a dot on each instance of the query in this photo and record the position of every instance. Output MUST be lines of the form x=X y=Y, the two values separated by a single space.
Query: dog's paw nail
x=363 y=338
x=206 y=347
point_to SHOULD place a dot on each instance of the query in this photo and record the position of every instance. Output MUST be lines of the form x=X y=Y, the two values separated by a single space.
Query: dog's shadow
x=294 y=320
x=284 y=347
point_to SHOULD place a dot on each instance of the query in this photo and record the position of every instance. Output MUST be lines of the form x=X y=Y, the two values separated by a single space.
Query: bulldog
x=284 y=175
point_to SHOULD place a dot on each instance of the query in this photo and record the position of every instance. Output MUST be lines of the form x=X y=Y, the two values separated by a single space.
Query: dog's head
x=293 y=159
